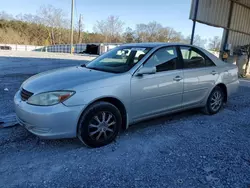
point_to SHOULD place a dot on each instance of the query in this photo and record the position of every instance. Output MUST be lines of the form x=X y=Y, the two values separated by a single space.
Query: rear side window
x=194 y=59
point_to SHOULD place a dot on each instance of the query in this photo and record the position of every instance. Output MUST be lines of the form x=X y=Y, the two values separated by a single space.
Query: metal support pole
x=72 y=27
x=194 y=21
x=228 y=24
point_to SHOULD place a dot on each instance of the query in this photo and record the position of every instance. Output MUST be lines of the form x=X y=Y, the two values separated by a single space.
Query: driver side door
x=153 y=94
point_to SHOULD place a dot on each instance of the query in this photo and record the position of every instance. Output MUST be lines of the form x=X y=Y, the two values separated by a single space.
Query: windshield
x=119 y=60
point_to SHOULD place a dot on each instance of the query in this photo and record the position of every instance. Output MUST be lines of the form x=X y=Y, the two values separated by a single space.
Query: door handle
x=177 y=78
x=214 y=72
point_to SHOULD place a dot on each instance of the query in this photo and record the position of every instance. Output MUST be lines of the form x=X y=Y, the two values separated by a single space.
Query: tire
x=99 y=125
x=210 y=105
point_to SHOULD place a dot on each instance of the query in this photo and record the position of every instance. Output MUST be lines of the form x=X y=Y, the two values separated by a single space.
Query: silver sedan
x=130 y=83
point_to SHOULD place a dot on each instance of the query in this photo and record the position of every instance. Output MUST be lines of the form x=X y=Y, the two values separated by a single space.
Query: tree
x=198 y=41
x=155 y=32
x=141 y=34
x=30 y=18
x=55 y=19
x=215 y=43
x=148 y=32
x=111 y=28
x=5 y=16
x=80 y=29
x=173 y=36
x=129 y=35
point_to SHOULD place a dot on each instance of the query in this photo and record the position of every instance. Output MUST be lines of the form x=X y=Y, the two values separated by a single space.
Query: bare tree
x=173 y=36
x=155 y=32
x=5 y=16
x=214 y=43
x=55 y=19
x=111 y=28
x=80 y=29
x=198 y=41
x=30 y=18
x=141 y=33
x=129 y=35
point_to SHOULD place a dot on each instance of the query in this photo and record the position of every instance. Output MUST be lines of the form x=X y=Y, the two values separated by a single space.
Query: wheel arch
x=224 y=89
x=116 y=102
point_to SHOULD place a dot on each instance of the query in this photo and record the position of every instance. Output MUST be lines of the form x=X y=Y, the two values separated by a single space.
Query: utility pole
x=72 y=27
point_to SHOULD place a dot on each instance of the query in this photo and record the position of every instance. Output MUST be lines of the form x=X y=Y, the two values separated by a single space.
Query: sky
x=170 y=13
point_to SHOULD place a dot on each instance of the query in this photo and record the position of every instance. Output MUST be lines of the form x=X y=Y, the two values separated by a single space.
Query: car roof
x=162 y=44
x=154 y=44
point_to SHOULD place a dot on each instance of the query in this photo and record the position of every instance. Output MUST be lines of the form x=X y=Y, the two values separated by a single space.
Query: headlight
x=50 y=98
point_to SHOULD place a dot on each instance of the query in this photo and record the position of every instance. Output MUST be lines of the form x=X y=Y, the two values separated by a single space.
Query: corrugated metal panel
x=244 y=2
x=216 y=13
x=212 y=12
x=191 y=15
x=238 y=39
x=240 y=19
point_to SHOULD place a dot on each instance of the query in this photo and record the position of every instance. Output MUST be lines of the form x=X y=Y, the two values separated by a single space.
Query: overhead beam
x=214 y=25
x=239 y=3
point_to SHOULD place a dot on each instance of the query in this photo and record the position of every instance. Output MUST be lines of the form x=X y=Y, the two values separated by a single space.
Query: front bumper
x=58 y=121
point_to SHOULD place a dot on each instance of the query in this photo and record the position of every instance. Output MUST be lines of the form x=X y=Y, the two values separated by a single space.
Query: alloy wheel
x=216 y=101
x=102 y=126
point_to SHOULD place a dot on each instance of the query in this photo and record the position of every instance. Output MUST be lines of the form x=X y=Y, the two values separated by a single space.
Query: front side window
x=164 y=59
x=119 y=60
x=194 y=59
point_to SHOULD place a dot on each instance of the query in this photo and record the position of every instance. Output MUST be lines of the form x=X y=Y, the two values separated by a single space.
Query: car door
x=199 y=74
x=152 y=94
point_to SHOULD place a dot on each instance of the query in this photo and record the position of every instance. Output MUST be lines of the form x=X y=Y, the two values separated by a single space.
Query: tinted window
x=194 y=59
x=164 y=59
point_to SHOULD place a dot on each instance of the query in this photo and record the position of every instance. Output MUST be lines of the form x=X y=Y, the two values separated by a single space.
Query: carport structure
x=231 y=15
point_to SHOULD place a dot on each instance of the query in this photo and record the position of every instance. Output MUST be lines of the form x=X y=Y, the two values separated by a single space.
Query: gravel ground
x=181 y=150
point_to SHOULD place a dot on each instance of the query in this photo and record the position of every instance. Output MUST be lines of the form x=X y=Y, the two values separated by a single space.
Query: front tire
x=215 y=101
x=99 y=125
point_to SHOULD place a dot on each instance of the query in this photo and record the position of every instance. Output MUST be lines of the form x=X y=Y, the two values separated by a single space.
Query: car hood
x=64 y=78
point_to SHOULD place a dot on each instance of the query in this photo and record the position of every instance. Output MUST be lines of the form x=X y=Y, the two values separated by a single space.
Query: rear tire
x=215 y=101
x=99 y=125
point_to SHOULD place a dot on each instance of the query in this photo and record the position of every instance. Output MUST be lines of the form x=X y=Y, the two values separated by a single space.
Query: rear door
x=200 y=75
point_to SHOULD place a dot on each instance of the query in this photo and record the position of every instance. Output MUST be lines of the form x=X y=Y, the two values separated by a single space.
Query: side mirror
x=146 y=70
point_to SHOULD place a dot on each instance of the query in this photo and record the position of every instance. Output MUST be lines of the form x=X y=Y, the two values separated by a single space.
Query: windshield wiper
x=98 y=69
x=92 y=68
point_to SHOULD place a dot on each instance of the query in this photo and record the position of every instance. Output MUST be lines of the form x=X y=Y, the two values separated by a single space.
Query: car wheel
x=99 y=125
x=215 y=101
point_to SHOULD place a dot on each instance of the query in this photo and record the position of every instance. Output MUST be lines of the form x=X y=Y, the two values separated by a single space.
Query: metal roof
x=217 y=13
x=243 y=2
x=211 y=12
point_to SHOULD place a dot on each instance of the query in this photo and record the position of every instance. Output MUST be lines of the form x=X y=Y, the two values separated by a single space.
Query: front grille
x=25 y=95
